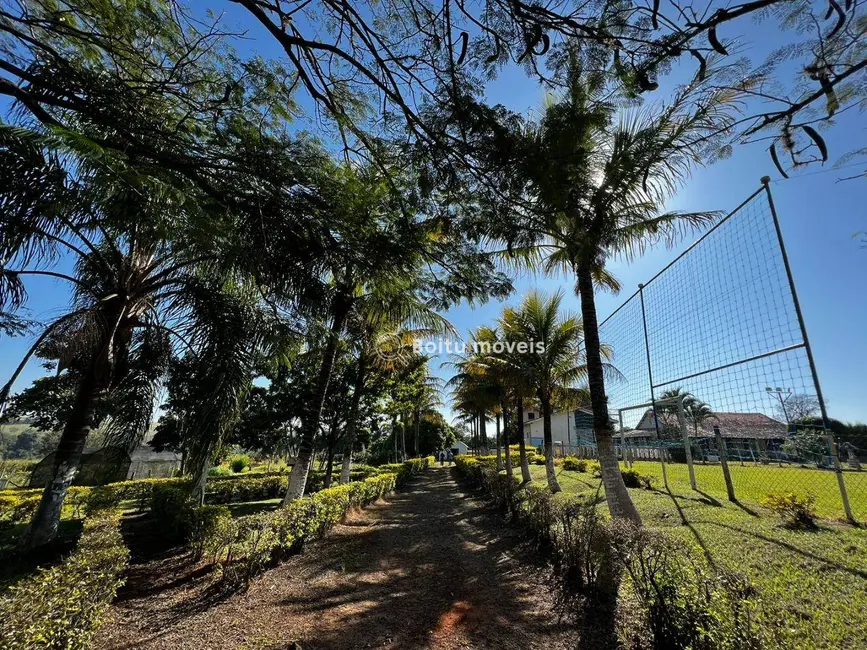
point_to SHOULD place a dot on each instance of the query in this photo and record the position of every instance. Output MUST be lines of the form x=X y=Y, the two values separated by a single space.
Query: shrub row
x=63 y=606
x=17 y=506
x=681 y=600
x=244 y=546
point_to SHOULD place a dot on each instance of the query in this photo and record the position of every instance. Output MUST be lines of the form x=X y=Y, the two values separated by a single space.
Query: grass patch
x=817 y=581
x=753 y=482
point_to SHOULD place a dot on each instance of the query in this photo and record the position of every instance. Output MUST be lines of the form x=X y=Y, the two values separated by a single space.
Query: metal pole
x=650 y=380
x=681 y=420
x=721 y=450
x=838 y=470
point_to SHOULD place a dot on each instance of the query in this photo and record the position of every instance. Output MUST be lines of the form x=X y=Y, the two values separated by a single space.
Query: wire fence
x=715 y=387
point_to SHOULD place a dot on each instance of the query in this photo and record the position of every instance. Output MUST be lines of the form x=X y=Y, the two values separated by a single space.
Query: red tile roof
x=731 y=425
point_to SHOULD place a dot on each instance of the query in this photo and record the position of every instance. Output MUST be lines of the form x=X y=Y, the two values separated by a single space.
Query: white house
x=569 y=428
x=459 y=448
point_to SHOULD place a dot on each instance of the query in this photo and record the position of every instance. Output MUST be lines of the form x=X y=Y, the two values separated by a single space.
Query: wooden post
x=681 y=420
x=721 y=449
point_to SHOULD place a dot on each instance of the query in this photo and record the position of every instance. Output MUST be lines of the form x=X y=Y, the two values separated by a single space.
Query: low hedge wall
x=18 y=506
x=244 y=546
x=63 y=606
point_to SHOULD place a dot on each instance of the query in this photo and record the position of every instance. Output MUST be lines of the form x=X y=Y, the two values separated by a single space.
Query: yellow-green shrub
x=64 y=606
x=795 y=510
x=249 y=544
x=17 y=509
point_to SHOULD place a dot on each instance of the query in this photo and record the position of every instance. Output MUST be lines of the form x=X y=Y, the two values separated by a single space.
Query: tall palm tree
x=509 y=366
x=558 y=367
x=594 y=187
x=133 y=294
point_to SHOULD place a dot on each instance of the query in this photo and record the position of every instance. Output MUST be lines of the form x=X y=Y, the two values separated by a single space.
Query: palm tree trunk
x=310 y=423
x=417 y=431
x=619 y=502
x=404 y=420
x=43 y=527
x=499 y=456
x=526 y=477
x=329 y=467
x=507 y=423
x=353 y=416
x=483 y=432
x=550 y=472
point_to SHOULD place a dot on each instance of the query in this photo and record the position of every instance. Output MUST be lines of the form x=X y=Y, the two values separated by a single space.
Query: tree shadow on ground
x=431 y=568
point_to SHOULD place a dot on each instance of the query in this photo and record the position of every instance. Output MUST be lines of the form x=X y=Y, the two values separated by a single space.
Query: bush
x=171 y=507
x=207 y=528
x=239 y=462
x=16 y=509
x=594 y=468
x=247 y=545
x=64 y=606
x=219 y=470
x=796 y=511
x=573 y=464
x=686 y=603
x=538 y=459
x=631 y=478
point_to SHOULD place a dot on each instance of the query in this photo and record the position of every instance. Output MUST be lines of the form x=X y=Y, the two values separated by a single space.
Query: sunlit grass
x=816 y=581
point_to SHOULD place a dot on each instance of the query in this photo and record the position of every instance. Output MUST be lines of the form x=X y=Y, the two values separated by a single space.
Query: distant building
x=744 y=427
x=569 y=428
x=459 y=448
x=112 y=464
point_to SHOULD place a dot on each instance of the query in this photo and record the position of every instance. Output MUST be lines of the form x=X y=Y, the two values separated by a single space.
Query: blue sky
x=818 y=217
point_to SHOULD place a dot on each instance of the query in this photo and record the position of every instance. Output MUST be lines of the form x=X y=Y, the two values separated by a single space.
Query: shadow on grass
x=858 y=573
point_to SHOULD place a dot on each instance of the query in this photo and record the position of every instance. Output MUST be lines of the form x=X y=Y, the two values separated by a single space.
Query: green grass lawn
x=817 y=581
x=752 y=482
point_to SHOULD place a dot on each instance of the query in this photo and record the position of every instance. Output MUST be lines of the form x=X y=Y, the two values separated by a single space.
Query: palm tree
x=594 y=188
x=384 y=289
x=557 y=368
x=518 y=385
x=132 y=295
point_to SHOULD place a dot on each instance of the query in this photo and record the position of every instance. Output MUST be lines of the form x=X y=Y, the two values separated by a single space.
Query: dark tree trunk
x=507 y=424
x=417 y=431
x=499 y=456
x=329 y=467
x=310 y=423
x=619 y=502
x=351 y=424
x=43 y=527
x=404 y=420
x=550 y=471
x=483 y=432
x=526 y=477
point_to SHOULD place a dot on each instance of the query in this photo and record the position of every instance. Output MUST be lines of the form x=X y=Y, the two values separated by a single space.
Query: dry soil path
x=431 y=567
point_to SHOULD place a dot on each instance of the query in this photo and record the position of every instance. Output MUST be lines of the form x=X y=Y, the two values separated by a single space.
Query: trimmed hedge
x=18 y=506
x=63 y=606
x=245 y=546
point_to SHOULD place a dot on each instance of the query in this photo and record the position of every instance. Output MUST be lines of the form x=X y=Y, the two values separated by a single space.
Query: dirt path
x=429 y=568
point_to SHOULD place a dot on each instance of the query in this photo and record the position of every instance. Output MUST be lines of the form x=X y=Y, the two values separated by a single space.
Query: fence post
x=841 y=481
x=681 y=420
x=721 y=449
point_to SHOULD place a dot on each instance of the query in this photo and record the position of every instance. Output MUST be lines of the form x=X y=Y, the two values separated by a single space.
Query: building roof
x=731 y=425
x=146 y=453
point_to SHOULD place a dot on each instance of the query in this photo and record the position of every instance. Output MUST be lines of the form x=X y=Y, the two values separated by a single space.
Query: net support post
x=721 y=449
x=841 y=482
